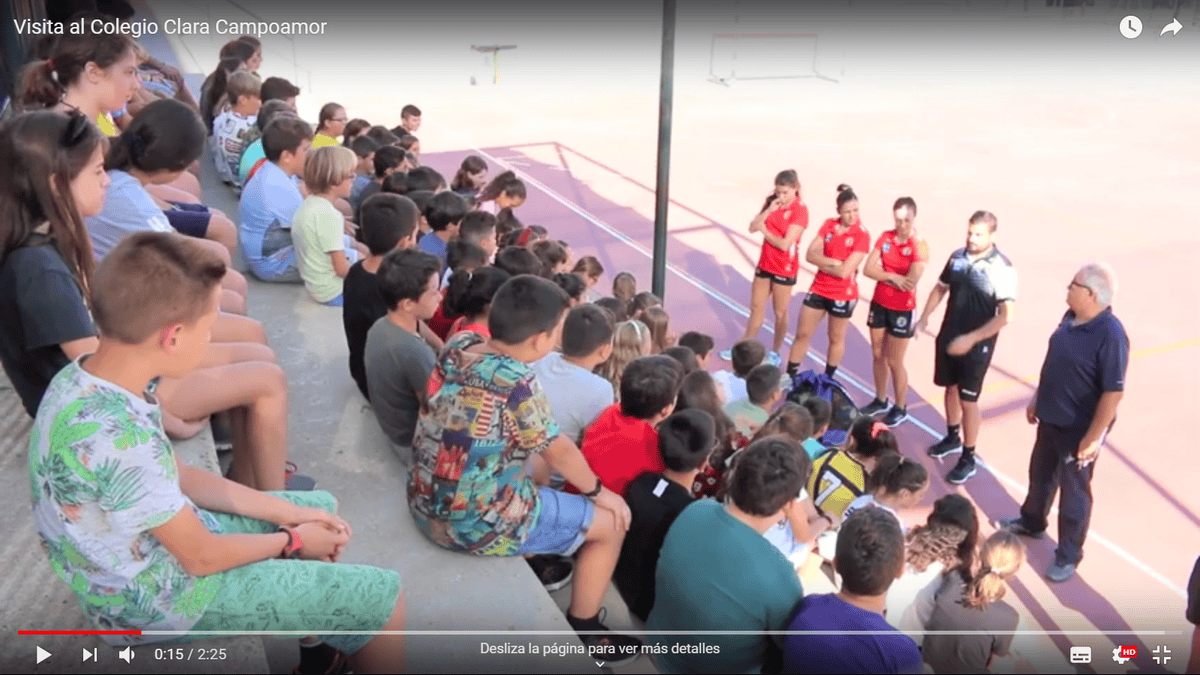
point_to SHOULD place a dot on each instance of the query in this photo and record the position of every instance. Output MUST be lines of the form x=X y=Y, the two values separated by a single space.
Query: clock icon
x=1131 y=27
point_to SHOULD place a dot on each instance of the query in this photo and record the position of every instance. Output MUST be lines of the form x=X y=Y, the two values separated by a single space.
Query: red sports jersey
x=839 y=247
x=777 y=261
x=896 y=258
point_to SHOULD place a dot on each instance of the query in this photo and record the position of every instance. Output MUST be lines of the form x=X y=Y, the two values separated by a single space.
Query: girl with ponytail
x=505 y=192
x=781 y=220
x=469 y=299
x=161 y=142
x=840 y=477
x=895 y=483
x=972 y=607
x=95 y=74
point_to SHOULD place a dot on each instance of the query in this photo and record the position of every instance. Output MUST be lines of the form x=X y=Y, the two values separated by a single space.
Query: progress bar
x=564 y=633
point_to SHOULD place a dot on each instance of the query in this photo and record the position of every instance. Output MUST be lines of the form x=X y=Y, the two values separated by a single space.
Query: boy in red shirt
x=836 y=251
x=622 y=443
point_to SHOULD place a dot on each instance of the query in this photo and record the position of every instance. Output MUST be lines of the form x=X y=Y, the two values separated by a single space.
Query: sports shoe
x=772 y=358
x=947 y=446
x=552 y=570
x=964 y=469
x=1017 y=527
x=874 y=407
x=613 y=649
x=1060 y=573
x=726 y=354
x=896 y=416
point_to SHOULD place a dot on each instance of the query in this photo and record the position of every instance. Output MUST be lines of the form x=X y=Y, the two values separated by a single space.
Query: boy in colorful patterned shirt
x=148 y=543
x=481 y=450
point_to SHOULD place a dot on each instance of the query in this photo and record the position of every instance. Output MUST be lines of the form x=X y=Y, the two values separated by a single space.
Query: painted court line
x=848 y=376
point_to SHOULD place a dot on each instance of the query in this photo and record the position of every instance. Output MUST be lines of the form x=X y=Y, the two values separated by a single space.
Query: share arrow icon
x=1174 y=27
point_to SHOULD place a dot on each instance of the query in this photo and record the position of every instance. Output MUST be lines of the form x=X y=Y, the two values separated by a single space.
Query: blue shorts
x=562 y=525
x=339 y=301
x=189 y=219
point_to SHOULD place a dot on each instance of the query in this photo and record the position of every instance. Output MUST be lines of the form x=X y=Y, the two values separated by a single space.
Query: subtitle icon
x=1081 y=654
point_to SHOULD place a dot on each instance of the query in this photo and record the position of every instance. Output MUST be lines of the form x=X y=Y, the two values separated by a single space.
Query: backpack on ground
x=811 y=383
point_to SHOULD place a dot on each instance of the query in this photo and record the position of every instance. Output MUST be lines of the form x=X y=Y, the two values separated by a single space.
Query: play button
x=42 y=654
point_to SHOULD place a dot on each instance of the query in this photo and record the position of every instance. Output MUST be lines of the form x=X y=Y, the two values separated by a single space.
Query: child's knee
x=233 y=302
x=604 y=528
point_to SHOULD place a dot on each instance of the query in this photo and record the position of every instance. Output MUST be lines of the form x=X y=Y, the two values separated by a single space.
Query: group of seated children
x=101 y=353
x=534 y=422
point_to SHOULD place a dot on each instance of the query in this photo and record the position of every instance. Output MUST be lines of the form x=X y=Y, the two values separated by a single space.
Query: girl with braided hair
x=945 y=544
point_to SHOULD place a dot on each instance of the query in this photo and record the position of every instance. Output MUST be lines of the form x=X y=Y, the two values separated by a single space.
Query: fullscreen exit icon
x=1162 y=652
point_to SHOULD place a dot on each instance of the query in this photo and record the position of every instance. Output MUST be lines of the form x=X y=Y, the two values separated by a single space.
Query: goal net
x=764 y=56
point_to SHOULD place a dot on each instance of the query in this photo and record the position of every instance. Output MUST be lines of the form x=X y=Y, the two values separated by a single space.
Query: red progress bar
x=79 y=632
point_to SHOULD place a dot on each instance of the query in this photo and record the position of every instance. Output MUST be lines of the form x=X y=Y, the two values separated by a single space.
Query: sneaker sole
x=960 y=481
x=1022 y=531
x=895 y=423
x=560 y=583
x=945 y=453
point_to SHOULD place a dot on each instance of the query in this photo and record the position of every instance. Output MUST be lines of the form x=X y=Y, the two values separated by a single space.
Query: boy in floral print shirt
x=483 y=448
x=147 y=543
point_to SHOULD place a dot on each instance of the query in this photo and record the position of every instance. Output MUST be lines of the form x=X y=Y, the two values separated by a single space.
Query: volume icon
x=126 y=654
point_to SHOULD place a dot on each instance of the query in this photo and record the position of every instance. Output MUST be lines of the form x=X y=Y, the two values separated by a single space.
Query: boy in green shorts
x=481 y=450
x=148 y=543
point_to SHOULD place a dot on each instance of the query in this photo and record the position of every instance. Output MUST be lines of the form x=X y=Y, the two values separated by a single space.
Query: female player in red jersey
x=781 y=221
x=836 y=251
x=896 y=264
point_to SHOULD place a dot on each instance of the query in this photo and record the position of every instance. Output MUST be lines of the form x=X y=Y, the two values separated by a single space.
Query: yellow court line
x=1032 y=380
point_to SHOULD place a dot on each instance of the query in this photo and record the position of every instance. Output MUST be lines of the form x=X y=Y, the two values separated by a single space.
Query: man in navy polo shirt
x=1082 y=381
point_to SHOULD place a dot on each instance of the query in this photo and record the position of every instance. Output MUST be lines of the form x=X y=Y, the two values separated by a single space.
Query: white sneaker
x=773 y=359
x=726 y=354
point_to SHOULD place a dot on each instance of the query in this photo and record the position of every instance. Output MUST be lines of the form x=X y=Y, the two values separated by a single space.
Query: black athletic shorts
x=898 y=324
x=189 y=219
x=775 y=278
x=966 y=372
x=842 y=309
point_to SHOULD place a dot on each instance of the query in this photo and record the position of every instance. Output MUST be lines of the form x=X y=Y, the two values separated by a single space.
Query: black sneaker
x=612 y=649
x=1017 y=527
x=553 y=571
x=896 y=416
x=964 y=469
x=874 y=407
x=947 y=446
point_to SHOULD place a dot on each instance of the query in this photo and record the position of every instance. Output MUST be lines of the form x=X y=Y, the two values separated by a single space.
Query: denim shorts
x=562 y=525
